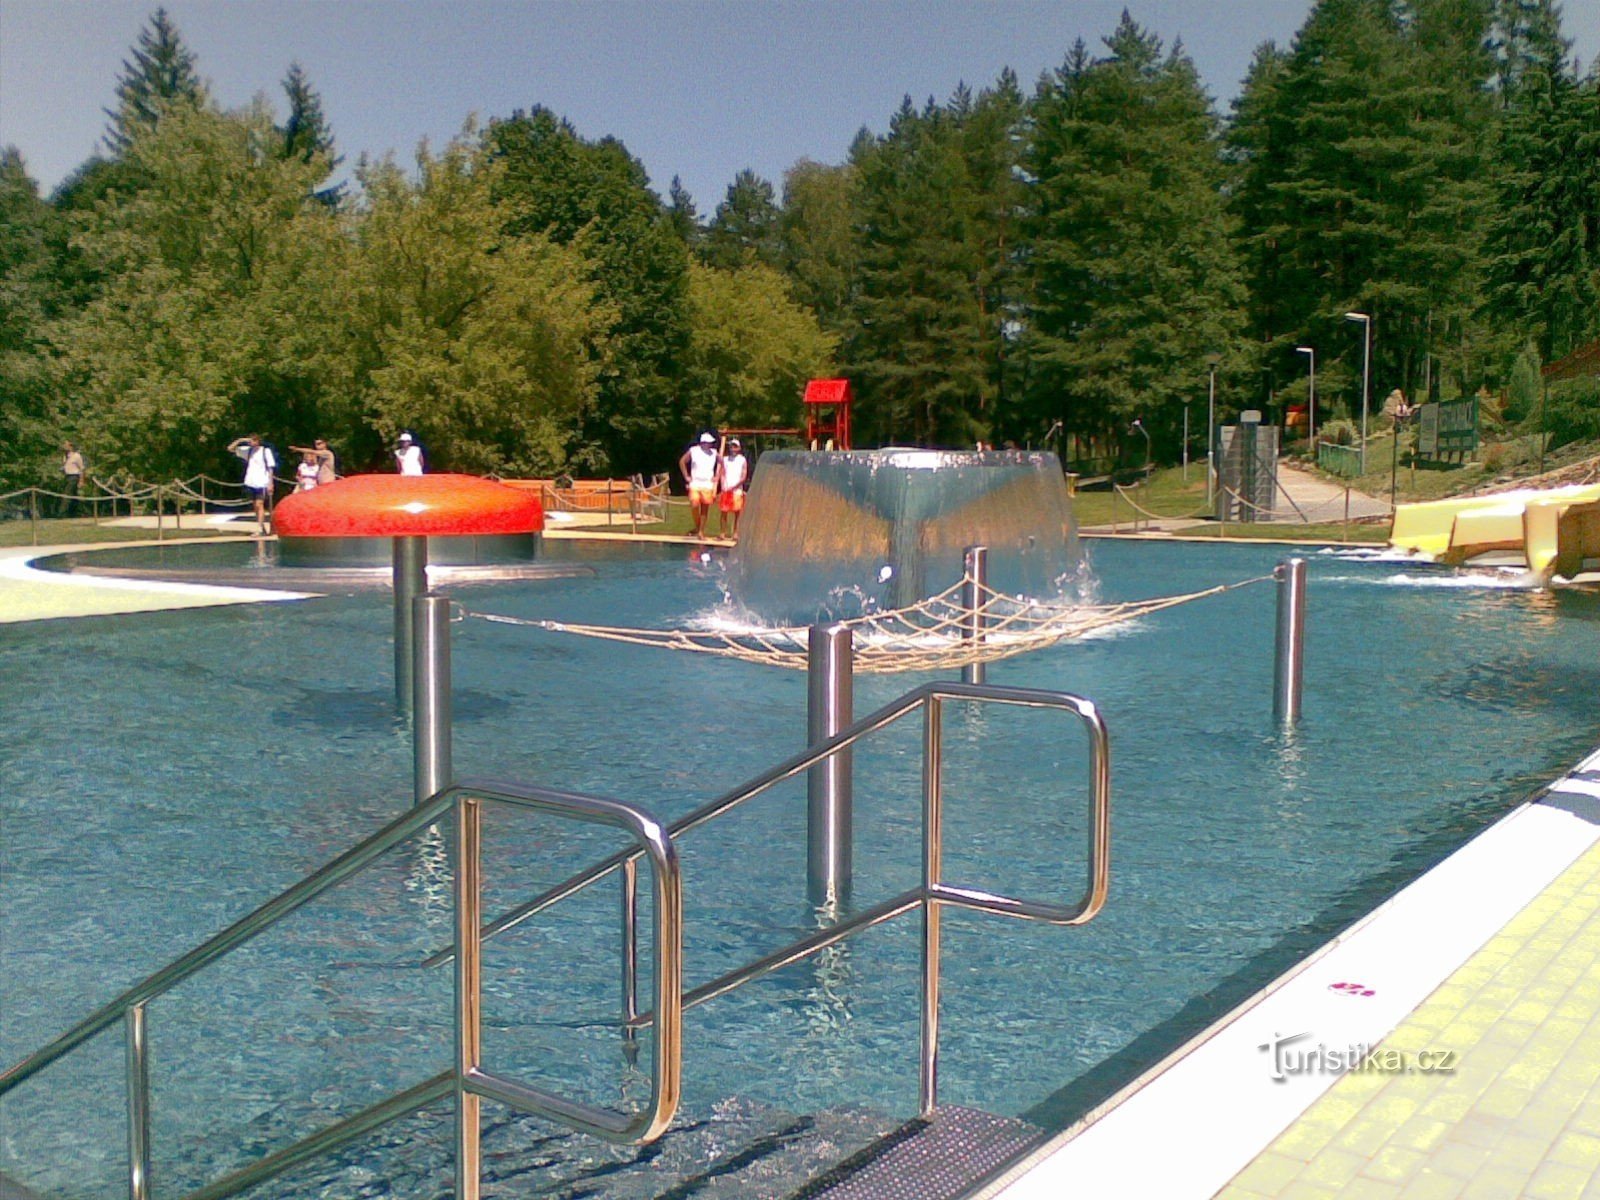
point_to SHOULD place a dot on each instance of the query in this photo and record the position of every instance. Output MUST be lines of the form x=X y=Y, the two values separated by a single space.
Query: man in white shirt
x=408 y=455
x=699 y=466
x=259 y=464
x=733 y=481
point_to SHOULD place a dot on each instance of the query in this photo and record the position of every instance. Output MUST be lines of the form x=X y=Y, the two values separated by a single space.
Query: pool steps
x=467 y=1083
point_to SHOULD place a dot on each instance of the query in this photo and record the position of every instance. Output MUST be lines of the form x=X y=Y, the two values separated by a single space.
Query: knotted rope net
x=933 y=634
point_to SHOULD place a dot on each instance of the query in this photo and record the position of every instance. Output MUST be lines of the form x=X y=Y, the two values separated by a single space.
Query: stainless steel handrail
x=930 y=897
x=467 y=1080
x=1100 y=780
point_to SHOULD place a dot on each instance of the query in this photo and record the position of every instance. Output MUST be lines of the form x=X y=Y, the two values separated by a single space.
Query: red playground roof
x=827 y=391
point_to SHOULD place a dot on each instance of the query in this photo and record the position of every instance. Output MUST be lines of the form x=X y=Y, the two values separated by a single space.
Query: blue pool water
x=165 y=773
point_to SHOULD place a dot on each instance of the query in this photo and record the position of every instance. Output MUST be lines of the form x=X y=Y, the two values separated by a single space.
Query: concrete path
x=1304 y=498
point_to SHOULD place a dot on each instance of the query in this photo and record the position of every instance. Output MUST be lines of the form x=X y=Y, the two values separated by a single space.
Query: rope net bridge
x=933 y=634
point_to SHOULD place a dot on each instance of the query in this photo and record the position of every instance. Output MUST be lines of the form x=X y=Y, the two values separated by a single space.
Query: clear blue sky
x=696 y=88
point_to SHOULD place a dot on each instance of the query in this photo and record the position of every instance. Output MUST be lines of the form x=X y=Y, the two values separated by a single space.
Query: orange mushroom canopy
x=408 y=506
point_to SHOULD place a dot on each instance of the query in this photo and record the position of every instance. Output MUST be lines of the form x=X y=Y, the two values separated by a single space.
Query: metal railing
x=467 y=1079
x=929 y=897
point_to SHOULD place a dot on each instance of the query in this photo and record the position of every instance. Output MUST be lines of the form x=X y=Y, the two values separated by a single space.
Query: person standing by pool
x=733 y=479
x=259 y=464
x=699 y=466
x=408 y=455
x=71 y=479
x=327 y=465
x=306 y=474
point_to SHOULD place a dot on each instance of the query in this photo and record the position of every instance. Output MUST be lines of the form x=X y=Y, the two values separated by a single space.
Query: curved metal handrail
x=1100 y=782
x=468 y=1080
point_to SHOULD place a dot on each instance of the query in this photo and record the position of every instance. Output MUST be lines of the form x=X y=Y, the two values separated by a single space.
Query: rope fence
x=158 y=498
x=933 y=634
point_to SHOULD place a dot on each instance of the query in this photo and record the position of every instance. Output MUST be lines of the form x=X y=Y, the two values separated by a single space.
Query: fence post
x=1289 y=659
x=974 y=593
x=161 y=513
x=33 y=513
x=830 y=703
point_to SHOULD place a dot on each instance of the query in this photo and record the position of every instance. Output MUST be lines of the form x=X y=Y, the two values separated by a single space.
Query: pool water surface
x=166 y=773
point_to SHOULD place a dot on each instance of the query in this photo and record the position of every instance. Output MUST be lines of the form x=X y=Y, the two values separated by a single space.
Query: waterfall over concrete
x=834 y=534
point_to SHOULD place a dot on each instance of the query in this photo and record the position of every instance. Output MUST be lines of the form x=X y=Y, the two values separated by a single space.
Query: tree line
x=1000 y=266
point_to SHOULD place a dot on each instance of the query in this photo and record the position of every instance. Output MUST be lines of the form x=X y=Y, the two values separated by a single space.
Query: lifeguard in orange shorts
x=732 y=480
x=699 y=465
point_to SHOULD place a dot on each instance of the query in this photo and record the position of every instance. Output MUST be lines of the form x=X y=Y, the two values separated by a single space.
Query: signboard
x=1450 y=427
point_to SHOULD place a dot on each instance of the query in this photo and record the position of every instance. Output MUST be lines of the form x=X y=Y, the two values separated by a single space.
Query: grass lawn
x=67 y=531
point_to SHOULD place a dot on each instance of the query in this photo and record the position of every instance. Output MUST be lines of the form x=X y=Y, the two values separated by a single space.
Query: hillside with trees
x=1016 y=262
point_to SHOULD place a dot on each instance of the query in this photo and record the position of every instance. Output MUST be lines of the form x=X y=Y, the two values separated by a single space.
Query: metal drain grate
x=940 y=1158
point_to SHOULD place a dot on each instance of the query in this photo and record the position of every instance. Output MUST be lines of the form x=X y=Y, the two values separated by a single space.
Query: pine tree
x=1132 y=271
x=596 y=197
x=161 y=72
x=934 y=199
x=1543 y=237
x=306 y=134
x=744 y=229
x=818 y=240
x=682 y=215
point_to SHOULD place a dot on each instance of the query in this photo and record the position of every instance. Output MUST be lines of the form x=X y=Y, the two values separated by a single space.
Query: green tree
x=595 y=196
x=744 y=229
x=1134 y=280
x=682 y=215
x=30 y=296
x=1361 y=184
x=817 y=236
x=212 y=314
x=488 y=345
x=306 y=134
x=160 y=74
x=752 y=348
x=934 y=197
x=1543 y=235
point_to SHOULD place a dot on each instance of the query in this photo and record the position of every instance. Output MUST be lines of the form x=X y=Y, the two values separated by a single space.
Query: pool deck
x=1472 y=998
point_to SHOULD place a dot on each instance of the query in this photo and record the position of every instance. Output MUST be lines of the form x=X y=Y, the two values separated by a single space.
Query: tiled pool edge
x=1192 y=1122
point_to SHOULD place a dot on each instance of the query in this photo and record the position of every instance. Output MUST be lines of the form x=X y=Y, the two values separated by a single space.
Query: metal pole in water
x=410 y=581
x=974 y=593
x=830 y=705
x=430 y=716
x=1289 y=665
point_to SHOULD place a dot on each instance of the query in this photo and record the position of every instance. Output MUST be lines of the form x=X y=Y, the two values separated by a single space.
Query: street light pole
x=1139 y=425
x=1311 y=420
x=1186 y=443
x=1366 y=377
x=1211 y=427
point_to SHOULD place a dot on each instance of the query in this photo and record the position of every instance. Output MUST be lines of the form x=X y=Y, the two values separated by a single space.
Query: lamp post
x=1366 y=377
x=1211 y=426
x=1311 y=418
x=1139 y=425
x=1186 y=443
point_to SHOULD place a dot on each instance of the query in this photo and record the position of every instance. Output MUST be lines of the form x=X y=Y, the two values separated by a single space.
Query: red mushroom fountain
x=409 y=509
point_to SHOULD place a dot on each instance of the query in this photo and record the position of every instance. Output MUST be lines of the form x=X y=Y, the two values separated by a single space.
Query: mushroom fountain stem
x=410 y=581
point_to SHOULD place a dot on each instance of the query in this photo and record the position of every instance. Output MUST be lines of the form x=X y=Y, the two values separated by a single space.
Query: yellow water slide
x=1531 y=521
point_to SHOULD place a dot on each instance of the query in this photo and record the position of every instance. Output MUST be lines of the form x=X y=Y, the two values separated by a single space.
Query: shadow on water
x=359 y=709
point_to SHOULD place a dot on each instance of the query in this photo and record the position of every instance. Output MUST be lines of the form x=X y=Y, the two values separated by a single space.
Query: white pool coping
x=17 y=565
x=1195 y=1120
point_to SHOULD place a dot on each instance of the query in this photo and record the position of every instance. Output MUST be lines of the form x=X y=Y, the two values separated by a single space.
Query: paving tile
x=1556 y=1181
x=1577 y=1149
x=1494 y=1183
x=1458 y=1159
x=1335 y=1167
x=1430 y=1185
x=1392 y=1164
x=1269 y=1173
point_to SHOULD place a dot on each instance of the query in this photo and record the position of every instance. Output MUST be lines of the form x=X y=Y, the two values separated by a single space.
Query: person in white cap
x=733 y=480
x=699 y=466
x=408 y=455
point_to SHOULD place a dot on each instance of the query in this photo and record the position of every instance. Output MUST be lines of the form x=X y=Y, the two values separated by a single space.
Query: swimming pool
x=165 y=773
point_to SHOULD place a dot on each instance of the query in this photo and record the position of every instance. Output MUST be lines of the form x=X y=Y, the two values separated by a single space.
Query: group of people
x=715 y=475
x=318 y=465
